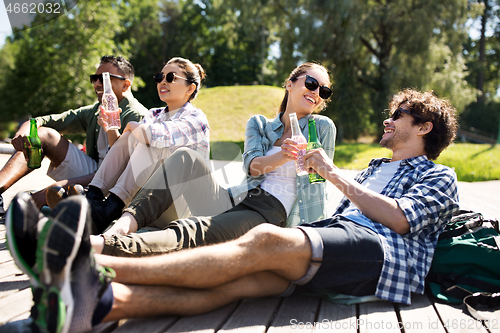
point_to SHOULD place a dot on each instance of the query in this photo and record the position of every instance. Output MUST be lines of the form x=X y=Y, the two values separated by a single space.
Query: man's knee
x=49 y=135
x=267 y=236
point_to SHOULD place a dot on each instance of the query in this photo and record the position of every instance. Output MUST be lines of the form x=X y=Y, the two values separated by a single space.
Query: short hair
x=425 y=106
x=194 y=73
x=298 y=71
x=121 y=63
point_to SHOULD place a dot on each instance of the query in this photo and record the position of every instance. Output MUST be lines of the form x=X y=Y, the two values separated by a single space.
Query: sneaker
x=2 y=210
x=22 y=222
x=72 y=281
x=55 y=194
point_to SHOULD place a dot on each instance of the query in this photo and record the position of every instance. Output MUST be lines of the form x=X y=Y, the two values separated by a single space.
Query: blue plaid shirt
x=188 y=127
x=427 y=194
x=260 y=135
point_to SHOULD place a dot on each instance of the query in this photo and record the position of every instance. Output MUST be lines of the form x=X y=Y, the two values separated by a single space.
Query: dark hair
x=194 y=73
x=425 y=106
x=122 y=64
x=298 y=71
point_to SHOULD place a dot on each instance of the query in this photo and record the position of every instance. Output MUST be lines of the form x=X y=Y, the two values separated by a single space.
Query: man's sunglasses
x=397 y=114
x=95 y=77
x=170 y=77
x=313 y=84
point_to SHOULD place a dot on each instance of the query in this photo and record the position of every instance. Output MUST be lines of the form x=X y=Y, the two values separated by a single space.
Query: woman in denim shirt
x=271 y=193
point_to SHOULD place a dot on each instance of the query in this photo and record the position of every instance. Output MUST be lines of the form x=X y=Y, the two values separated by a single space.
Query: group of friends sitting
x=268 y=236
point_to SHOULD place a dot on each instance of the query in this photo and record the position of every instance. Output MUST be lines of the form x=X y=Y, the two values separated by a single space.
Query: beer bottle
x=313 y=143
x=110 y=103
x=35 y=151
x=298 y=137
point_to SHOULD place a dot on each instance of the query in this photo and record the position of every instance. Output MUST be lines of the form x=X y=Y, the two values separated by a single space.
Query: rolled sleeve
x=256 y=142
x=430 y=199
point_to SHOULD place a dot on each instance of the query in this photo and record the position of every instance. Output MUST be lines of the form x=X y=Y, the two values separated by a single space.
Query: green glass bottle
x=35 y=151
x=313 y=143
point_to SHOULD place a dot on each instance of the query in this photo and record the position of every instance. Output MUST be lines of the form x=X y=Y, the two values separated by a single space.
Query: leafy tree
x=385 y=45
x=52 y=61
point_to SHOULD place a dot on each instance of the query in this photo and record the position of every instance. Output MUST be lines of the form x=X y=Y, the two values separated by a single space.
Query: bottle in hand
x=110 y=103
x=35 y=149
x=298 y=137
x=313 y=143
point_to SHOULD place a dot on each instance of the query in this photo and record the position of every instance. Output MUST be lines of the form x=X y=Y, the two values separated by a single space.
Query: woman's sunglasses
x=312 y=84
x=397 y=114
x=95 y=77
x=170 y=77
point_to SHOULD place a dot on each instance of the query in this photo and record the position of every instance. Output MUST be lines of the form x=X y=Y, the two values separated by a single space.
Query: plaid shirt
x=427 y=194
x=260 y=135
x=188 y=127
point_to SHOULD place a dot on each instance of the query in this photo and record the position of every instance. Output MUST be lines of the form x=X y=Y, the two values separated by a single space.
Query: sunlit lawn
x=471 y=162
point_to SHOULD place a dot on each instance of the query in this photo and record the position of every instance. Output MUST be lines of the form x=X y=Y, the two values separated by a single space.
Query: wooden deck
x=294 y=314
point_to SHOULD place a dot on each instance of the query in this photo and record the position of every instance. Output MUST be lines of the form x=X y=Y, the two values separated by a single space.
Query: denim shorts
x=347 y=258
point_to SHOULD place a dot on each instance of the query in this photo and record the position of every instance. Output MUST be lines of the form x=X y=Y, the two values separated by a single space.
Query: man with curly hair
x=379 y=243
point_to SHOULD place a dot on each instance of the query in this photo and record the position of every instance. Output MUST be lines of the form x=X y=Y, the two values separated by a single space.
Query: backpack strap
x=450 y=284
x=475 y=300
x=474 y=220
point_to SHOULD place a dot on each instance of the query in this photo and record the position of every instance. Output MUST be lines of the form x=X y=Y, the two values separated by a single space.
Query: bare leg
x=54 y=147
x=285 y=252
x=141 y=301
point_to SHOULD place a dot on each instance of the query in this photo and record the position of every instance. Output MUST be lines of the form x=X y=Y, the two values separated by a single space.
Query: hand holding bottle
x=103 y=119
x=110 y=103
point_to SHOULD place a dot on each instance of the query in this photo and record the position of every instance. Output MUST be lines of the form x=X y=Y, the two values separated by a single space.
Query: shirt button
x=300 y=201
x=303 y=220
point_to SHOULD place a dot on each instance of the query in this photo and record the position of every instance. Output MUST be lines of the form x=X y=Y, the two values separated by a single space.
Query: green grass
x=229 y=108
x=471 y=162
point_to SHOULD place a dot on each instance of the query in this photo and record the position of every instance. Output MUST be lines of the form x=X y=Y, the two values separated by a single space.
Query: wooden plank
x=336 y=318
x=455 y=320
x=147 y=324
x=104 y=327
x=205 y=323
x=5 y=256
x=378 y=317
x=420 y=316
x=9 y=268
x=15 y=305
x=13 y=284
x=297 y=313
x=252 y=316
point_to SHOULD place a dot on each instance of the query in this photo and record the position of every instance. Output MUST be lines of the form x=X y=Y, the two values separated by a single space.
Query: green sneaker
x=72 y=281
x=23 y=219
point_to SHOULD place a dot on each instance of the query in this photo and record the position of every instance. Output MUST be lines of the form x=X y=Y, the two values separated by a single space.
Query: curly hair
x=298 y=71
x=424 y=107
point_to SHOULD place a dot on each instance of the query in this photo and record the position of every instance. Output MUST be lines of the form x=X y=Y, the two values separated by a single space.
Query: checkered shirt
x=188 y=127
x=427 y=194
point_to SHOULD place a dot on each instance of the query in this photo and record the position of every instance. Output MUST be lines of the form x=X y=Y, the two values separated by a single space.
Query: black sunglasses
x=95 y=77
x=313 y=84
x=397 y=114
x=158 y=77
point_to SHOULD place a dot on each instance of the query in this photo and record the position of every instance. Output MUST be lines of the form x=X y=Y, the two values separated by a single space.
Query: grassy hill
x=229 y=108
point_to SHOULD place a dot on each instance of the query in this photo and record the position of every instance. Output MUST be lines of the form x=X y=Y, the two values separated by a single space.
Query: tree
x=53 y=61
x=386 y=45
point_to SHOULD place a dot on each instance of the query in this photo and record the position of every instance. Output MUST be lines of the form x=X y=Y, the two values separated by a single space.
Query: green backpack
x=466 y=264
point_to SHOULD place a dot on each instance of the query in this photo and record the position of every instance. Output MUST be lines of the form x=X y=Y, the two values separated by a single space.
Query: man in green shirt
x=70 y=165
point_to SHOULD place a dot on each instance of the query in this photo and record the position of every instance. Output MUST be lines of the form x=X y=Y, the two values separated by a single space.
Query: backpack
x=466 y=264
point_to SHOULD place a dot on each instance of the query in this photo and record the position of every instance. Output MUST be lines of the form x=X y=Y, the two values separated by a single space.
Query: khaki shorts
x=75 y=164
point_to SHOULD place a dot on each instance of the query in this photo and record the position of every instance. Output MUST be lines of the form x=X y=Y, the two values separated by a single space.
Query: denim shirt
x=260 y=135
